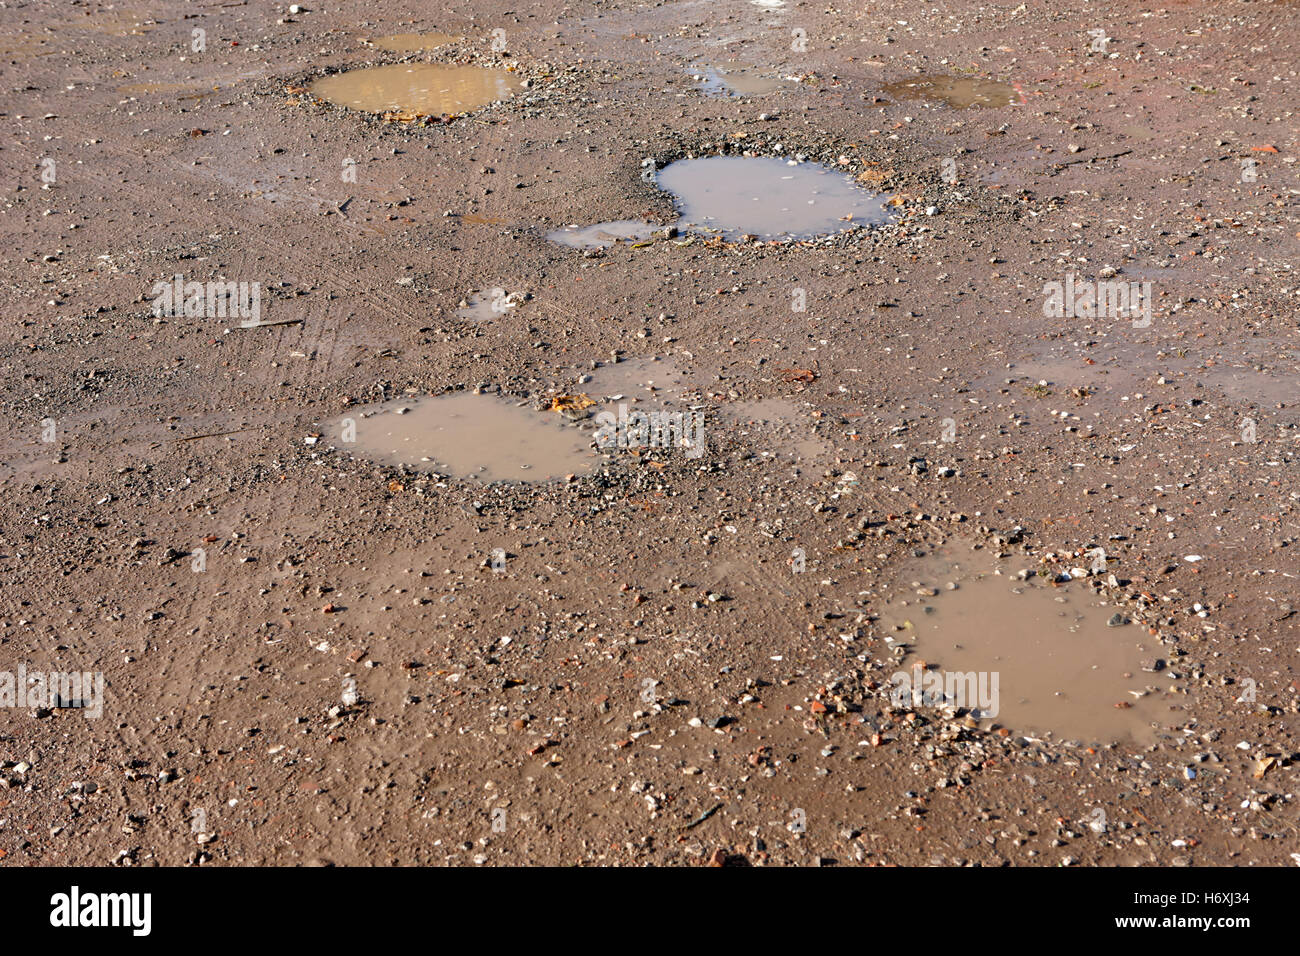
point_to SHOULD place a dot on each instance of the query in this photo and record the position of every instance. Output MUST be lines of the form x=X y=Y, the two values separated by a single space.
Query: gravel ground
x=344 y=675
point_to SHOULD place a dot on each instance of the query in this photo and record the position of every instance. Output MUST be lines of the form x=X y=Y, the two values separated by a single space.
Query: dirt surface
x=310 y=658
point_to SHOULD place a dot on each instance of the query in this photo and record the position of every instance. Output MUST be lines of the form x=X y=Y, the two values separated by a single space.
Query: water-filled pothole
x=1118 y=373
x=716 y=81
x=767 y=198
x=467 y=436
x=774 y=428
x=412 y=42
x=957 y=91
x=1057 y=659
x=603 y=234
x=429 y=89
x=488 y=305
x=638 y=379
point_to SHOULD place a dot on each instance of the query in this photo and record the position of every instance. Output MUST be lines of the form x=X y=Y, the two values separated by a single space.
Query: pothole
x=1120 y=372
x=959 y=92
x=603 y=234
x=767 y=198
x=1037 y=658
x=716 y=81
x=427 y=89
x=467 y=436
x=774 y=428
x=488 y=305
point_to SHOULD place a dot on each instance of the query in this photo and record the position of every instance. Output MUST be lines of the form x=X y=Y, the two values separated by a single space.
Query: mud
x=420 y=88
x=374 y=659
x=1058 y=660
x=467 y=436
x=767 y=198
x=955 y=91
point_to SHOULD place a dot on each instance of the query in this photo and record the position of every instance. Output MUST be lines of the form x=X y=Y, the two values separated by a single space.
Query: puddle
x=119 y=23
x=635 y=380
x=767 y=198
x=603 y=234
x=1257 y=373
x=1061 y=669
x=718 y=82
x=429 y=89
x=771 y=428
x=467 y=436
x=1253 y=386
x=783 y=429
x=136 y=89
x=412 y=42
x=957 y=91
x=486 y=306
x=23 y=46
x=481 y=220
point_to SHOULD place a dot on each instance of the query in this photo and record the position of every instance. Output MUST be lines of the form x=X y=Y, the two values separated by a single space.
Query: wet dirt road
x=680 y=654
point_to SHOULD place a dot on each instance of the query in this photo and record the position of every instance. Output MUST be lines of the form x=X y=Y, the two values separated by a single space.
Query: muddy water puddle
x=717 y=81
x=601 y=235
x=1260 y=374
x=424 y=88
x=774 y=428
x=136 y=89
x=638 y=379
x=412 y=42
x=767 y=198
x=117 y=23
x=956 y=91
x=1046 y=660
x=777 y=428
x=487 y=305
x=467 y=436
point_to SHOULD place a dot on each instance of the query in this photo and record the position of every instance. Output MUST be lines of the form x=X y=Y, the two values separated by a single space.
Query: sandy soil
x=646 y=679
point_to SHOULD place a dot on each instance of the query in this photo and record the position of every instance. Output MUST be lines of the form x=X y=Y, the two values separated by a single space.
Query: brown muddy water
x=774 y=428
x=603 y=234
x=412 y=42
x=425 y=88
x=1258 y=373
x=486 y=305
x=957 y=91
x=1064 y=663
x=467 y=436
x=767 y=198
x=637 y=379
x=135 y=89
x=716 y=81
